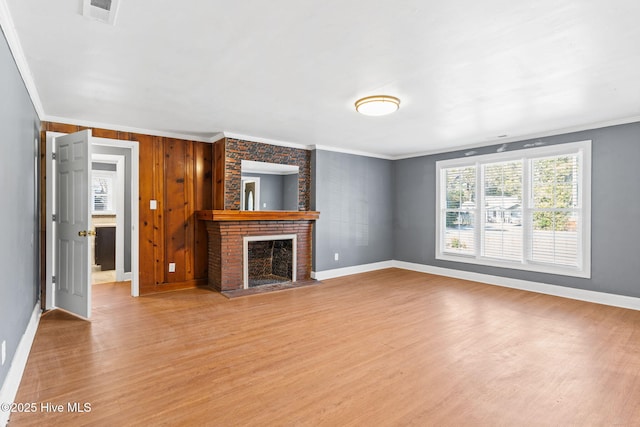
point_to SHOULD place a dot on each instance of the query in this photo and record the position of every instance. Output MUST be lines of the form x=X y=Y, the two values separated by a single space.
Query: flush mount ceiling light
x=377 y=105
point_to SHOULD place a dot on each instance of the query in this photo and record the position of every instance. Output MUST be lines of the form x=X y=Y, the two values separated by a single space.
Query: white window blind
x=502 y=214
x=460 y=210
x=555 y=210
x=527 y=209
x=102 y=188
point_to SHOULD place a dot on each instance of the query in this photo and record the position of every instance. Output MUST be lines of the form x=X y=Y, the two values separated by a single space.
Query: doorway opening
x=113 y=206
x=108 y=217
x=250 y=194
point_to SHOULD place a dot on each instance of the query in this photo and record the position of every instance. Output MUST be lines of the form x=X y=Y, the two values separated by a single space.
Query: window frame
x=581 y=148
x=112 y=176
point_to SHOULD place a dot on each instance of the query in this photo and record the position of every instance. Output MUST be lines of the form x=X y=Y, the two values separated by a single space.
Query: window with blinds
x=528 y=209
x=102 y=200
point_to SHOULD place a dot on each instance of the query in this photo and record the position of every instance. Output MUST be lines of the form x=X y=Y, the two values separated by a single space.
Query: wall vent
x=101 y=10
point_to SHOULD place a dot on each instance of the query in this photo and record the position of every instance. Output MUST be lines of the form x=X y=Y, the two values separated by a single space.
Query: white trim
x=219 y=135
x=134 y=146
x=50 y=229
x=354 y=152
x=522 y=138
x=135 y=215
x=595 y=297
x=252 y=166
x=11 y=383
x=517 y=153
x=614 y=300
x=215 y=136
x=256 y=197
x=245 y=254
x=347 y=271
x=306 y=147
x=18 y=55
x=266 y=140
x=516 y=265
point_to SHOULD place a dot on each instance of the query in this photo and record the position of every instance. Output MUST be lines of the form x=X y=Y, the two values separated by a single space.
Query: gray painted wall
x=354 y=197
x=270 y=191
x=615 y=222
x=19 y=288
x=290 y=192
x=278 y=192
x=102 y=149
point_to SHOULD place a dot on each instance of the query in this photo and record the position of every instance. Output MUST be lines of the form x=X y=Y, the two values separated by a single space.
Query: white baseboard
x=346 y=271
x=12 y=381
x=614 y=300
x=525 y=285
x=126 y=277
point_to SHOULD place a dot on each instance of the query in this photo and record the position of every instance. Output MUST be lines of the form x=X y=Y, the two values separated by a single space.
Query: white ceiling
x=290 y=70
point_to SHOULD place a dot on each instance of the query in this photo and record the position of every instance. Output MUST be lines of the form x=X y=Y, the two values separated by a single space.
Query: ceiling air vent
x=101 y=10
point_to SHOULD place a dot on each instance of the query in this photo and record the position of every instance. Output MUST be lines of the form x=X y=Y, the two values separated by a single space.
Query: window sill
x=538 y=268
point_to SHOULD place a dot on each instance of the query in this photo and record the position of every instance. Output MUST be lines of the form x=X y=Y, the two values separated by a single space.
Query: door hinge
x=53 y=279
x=54 y=217
x=53 y=156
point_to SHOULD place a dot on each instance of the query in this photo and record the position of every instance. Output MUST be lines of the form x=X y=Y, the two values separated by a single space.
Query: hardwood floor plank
x=390 y=347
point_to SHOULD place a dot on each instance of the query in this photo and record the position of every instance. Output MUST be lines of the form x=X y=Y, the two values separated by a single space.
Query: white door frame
x=117 y=160
x=50 y=233
x=256 y=197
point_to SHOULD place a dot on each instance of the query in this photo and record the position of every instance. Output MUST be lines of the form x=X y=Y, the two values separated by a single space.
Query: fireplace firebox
x=269 y=260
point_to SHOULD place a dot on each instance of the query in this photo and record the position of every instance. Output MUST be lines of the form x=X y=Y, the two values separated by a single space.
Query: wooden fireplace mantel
x=230 y=215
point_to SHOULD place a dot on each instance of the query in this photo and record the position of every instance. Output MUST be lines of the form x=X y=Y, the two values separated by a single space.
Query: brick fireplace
x=230 y=231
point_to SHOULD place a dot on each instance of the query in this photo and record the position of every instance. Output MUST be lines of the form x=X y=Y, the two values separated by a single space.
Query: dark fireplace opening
x=270 y=261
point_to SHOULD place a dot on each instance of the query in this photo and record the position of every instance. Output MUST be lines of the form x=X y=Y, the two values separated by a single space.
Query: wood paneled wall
x=179 y=175
x=219 y=165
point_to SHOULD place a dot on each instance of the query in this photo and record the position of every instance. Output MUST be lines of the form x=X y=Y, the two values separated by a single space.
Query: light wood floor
x=386 y=348
x=103 y=276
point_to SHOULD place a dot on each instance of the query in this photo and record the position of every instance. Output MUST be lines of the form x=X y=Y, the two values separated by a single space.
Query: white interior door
x=73 y=223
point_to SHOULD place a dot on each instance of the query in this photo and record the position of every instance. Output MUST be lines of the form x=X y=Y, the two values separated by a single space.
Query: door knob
x=91 y=233
x=82 y=233
x=86 y=233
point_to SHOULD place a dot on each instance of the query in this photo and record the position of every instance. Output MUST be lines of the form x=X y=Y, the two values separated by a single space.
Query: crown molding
x=266 y=140
x=354 y=152
x=92 y=124
x=537 y=135
x=15 y=47
x=217 y=137
x=281 y=143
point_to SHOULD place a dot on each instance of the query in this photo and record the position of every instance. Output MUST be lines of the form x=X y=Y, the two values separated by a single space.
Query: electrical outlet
x=172 y=267
x=4 y=351
x=336 y=256
x=153 y=205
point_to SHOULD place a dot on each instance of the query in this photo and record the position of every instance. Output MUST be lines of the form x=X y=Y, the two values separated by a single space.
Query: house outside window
x=526 y=209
